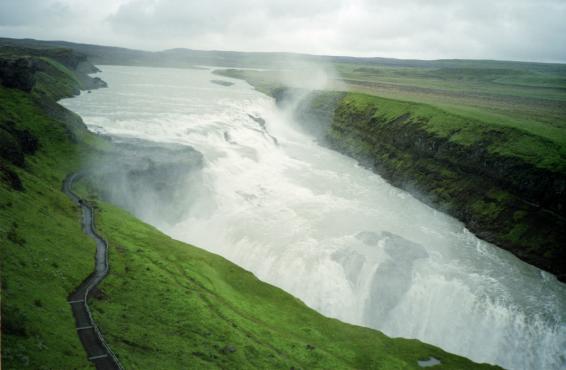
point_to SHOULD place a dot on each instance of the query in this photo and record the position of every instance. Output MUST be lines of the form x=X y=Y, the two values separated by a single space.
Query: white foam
x=293 y=213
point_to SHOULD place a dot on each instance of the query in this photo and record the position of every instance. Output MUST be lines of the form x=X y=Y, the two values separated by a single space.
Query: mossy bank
x=507 y=186
x=165 y=304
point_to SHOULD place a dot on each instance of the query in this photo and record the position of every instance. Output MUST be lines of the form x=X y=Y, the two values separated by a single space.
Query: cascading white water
x=337 y=236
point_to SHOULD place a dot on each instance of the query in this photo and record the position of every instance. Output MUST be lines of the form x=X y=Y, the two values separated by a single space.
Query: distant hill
x=189 y=57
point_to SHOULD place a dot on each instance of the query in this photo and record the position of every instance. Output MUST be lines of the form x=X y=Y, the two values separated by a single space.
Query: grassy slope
x=170 y=305
x=454 y=180
x=535 y=149
x=44 y=253
x=165 y=304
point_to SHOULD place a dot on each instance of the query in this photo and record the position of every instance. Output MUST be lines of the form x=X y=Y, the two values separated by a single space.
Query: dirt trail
x=98 y=351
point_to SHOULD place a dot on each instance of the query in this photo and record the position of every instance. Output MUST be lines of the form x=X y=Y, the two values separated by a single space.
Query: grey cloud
x=24 y=12
x=504 y=29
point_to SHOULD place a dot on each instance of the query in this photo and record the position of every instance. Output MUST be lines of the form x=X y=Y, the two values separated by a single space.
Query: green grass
x=530 y=97
x=264 y=82
x=482 y=174
x=69 y=76
x=44 y=254
x=525 y=96
x=170 y=305
x=500 y=139
x=165 y=304
x=540 y=144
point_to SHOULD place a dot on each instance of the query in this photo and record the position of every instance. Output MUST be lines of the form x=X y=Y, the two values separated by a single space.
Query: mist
x=149 y=179
x=227 y=169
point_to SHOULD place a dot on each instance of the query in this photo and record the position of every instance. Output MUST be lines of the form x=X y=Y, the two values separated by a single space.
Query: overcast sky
x=426 y=29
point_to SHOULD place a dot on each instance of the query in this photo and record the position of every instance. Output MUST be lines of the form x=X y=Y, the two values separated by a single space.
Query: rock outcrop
x=18 y=73
x=29 y=69
x=148 y=179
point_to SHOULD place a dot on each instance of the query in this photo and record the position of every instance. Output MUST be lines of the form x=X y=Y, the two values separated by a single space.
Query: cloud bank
x=504 y=29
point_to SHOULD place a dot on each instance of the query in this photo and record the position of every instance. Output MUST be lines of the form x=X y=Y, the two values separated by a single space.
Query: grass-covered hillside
x=165 y=304
x=44 y=254
x=527 y=96
x=506 y=181
x=505 y=184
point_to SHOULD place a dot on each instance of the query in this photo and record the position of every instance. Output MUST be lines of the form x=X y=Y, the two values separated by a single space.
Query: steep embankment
x=165 y=304
x=44 y=253
x=506 y=185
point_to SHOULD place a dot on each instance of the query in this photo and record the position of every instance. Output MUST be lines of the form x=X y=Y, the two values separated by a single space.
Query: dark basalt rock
x=16 y=143
x=92 y=83
x=21 y=68
x=18 y=73
x=10 y=148
x=71 y=59
x=10 y=178
x=85 y=67
x=260 y=121
x=222 y=83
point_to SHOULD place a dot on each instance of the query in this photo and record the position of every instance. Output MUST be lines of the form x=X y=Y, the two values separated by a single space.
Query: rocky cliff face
x=151 y=180
x=47 y=71
x=49 y=75
x=503 y=199
x=18 y=72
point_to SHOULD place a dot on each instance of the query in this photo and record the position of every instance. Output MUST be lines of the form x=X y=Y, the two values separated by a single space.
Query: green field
x=451 y=108
x=544 y=151
x=527 y=96
x=165 y=304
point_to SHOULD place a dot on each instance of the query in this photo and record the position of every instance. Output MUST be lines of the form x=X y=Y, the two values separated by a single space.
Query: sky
x=530 y=30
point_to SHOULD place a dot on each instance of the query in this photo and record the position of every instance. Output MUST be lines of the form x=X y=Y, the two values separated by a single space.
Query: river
x=335 y=235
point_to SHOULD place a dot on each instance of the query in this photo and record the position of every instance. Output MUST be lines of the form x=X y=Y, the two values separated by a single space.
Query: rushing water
x=337 y=236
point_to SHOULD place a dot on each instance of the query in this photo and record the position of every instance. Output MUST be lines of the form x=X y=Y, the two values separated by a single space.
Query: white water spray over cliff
x=337 y=236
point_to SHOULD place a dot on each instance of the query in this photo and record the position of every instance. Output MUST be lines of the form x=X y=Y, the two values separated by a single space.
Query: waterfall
x=328 y=231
